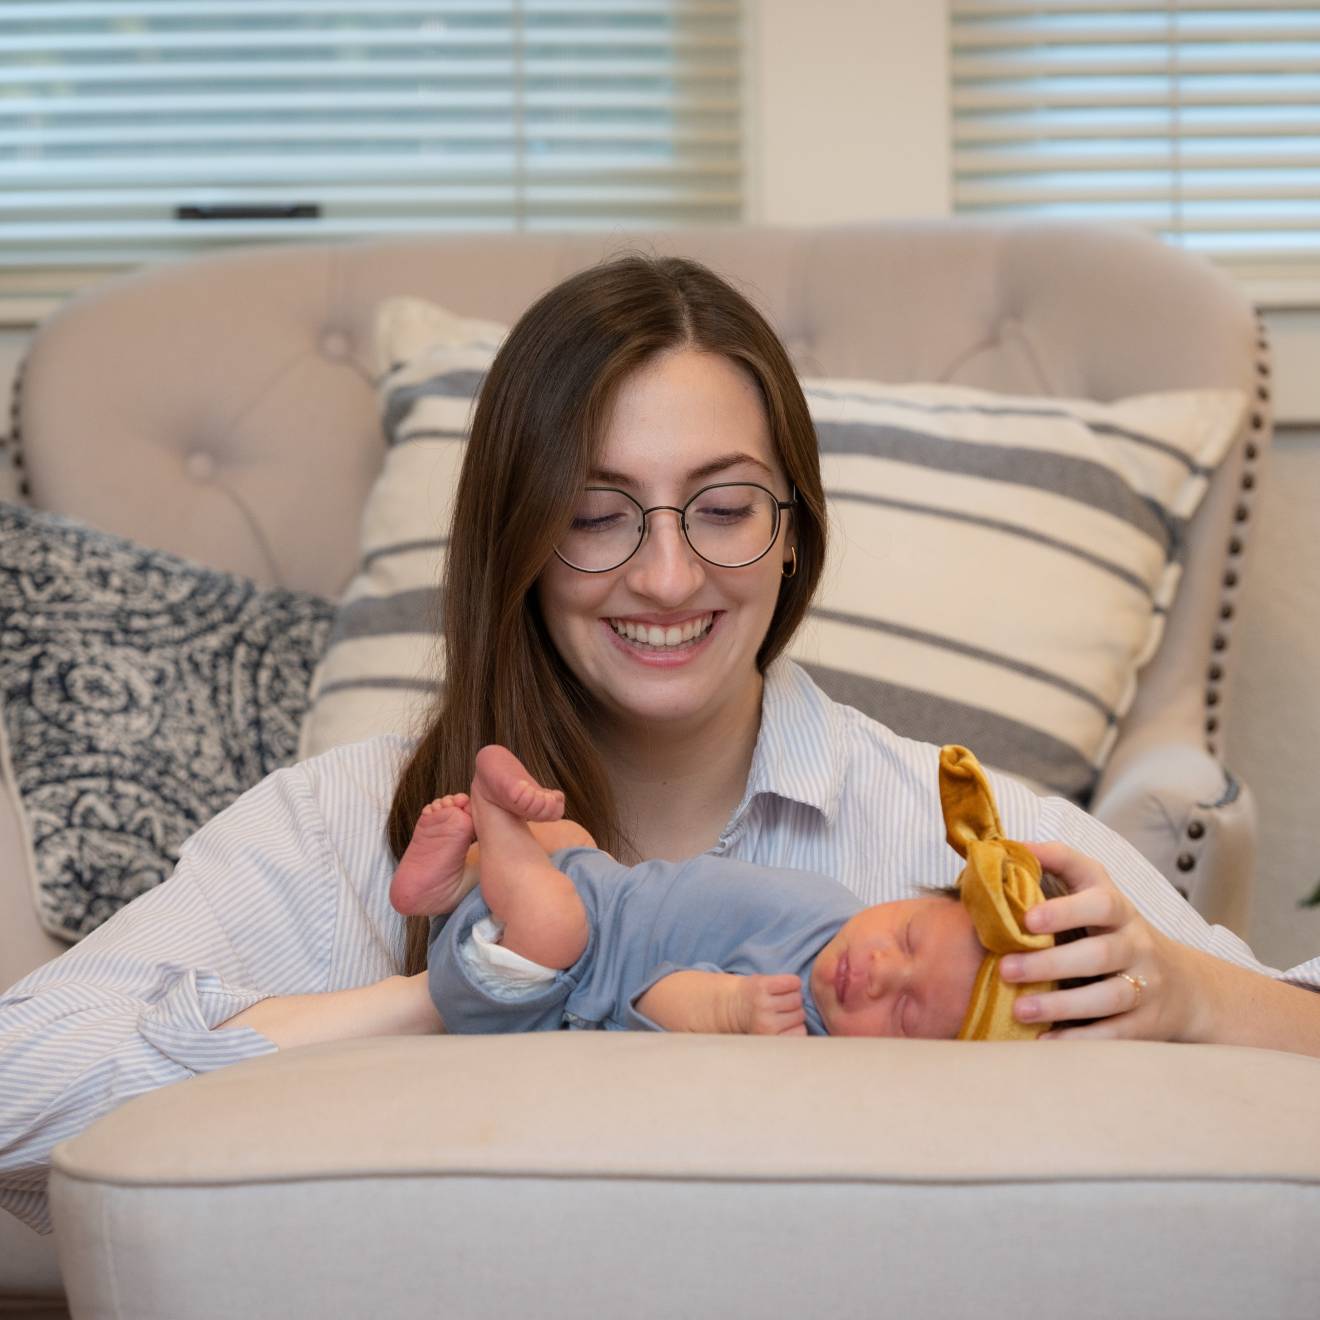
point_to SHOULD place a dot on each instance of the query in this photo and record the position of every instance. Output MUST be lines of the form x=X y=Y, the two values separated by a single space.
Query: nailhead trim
x=14 y=441
x=1260 y=422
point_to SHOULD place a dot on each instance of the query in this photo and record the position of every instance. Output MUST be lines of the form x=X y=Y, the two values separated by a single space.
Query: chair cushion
x=1001 y=565
x=141 y=694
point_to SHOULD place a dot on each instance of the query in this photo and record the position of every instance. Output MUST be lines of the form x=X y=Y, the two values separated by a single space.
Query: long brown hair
x=541 y=414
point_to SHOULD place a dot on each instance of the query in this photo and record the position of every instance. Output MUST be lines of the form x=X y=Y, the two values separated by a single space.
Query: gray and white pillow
x=384 y=657
x=141 y=694
x=1001 y=567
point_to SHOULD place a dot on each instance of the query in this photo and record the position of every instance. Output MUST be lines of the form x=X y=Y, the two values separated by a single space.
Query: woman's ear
x=790 y=544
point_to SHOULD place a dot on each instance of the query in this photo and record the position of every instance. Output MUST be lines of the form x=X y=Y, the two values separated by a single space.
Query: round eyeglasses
x=729 y=525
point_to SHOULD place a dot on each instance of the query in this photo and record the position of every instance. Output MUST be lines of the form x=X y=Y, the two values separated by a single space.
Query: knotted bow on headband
x=999 y=883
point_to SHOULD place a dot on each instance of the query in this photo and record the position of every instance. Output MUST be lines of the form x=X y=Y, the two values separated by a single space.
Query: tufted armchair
x=223 y=409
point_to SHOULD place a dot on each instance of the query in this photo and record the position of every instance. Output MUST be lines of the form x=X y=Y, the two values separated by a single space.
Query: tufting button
x=334 y=344
x=1195 y=829
x=1186 y=861
x=200 y=466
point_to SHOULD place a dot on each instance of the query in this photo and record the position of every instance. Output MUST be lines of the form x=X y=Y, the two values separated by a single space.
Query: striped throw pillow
x=384 y=658
x=1001 y=566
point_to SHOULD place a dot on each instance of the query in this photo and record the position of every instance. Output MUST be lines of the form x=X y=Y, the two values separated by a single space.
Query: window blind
x=134 y=131
x=1200 y=121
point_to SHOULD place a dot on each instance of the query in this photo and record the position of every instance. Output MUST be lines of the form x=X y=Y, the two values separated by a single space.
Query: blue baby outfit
x=646 y=921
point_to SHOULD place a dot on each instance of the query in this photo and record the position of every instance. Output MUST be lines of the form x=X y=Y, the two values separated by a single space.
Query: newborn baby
x=710 y=944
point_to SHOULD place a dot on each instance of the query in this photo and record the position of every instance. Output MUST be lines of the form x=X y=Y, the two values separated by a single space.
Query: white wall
x=846 y=110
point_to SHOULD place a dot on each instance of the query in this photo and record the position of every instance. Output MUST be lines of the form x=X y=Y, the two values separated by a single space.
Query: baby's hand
x=770 y=1006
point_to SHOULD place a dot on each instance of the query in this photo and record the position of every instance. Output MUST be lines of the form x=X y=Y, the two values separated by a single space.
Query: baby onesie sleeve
x=474 y=996
x=249 y=912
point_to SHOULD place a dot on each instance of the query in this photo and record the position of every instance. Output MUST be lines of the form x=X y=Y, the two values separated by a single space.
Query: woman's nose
x=665 y=569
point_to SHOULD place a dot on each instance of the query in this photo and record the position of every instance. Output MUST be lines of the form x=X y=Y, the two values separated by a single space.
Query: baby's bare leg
x=433 y=874
x=543 y=916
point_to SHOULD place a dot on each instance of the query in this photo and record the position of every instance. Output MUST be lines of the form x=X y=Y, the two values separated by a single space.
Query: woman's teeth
x=649 y=634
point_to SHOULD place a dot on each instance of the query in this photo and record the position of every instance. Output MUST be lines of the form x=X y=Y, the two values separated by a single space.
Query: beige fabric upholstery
x=568 y=1174
x=223 y=410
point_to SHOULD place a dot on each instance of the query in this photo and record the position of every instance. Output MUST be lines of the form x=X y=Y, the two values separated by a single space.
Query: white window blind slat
x=127 y=128
x=1198 y=120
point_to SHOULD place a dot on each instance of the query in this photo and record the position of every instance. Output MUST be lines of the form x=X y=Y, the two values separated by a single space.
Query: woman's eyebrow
x=711 y=469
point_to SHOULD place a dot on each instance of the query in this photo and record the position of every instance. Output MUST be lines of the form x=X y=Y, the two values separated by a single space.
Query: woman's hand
x=1149 y=983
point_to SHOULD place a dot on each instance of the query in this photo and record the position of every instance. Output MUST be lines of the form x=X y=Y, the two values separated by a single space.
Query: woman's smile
x=655 y=640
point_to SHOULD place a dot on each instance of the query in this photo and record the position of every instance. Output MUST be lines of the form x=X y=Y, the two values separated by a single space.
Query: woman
x=638 y=530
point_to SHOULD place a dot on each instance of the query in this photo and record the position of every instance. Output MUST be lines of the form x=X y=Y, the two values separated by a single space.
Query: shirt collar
x=799 y=751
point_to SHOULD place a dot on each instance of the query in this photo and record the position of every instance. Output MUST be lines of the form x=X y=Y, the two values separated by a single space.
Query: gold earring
x=791 y=572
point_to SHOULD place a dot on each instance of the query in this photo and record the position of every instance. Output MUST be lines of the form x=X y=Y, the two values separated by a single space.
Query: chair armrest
x=1188 y=814
x=617 y=1173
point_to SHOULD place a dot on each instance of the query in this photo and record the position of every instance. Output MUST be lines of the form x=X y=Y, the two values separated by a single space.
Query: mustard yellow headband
x=999 y=883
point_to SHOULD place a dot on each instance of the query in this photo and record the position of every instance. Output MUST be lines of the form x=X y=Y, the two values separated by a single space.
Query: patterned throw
x=141 y=694
x=1000 y=882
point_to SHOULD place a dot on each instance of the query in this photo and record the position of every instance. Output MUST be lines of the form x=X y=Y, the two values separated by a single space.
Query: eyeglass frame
x=780 y=506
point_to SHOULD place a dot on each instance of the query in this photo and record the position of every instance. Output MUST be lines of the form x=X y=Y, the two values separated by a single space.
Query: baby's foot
x=432 y=874
x=502 y=779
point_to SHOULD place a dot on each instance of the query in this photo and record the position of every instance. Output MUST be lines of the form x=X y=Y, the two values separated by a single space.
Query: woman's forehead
x=686 y=415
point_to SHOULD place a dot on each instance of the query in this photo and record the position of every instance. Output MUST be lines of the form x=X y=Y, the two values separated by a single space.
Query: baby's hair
x=1052 y=887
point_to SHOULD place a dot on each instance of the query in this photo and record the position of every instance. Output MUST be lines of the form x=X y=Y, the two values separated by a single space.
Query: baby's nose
x=887 y=973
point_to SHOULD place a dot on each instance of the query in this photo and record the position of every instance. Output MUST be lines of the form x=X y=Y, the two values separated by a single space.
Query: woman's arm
x=1153 y=987
x=396 y=1006
x=280 y=897
x=726 y=1003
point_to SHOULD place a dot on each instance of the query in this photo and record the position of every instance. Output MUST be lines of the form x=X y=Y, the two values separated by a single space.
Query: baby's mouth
x=841 y=970
x=664 y=638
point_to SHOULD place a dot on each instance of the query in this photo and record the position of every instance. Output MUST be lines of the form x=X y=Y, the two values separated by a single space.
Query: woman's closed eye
x=723 y=512
x=605 y=522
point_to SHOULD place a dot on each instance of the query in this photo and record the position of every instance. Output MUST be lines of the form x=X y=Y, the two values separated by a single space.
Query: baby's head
x=899 y=969
x=907 y=968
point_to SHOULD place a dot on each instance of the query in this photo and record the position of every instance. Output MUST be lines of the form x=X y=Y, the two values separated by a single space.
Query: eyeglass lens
x=728 y=525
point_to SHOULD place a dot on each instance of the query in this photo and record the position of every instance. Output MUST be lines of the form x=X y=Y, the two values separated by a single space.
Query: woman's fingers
x=1120 y=956
x=1108 y=997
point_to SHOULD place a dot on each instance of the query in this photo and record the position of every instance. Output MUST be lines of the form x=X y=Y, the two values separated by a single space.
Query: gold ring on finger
x=1138 y=984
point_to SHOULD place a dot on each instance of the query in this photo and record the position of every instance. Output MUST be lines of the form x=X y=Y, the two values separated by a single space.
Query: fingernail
x=1027 y=1010
x=1010 y=969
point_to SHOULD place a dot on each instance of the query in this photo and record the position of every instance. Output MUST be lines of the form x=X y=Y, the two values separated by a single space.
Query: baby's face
x=899 y=969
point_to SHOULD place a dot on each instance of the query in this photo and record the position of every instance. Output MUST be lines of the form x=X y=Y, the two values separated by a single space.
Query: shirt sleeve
x=249 y=912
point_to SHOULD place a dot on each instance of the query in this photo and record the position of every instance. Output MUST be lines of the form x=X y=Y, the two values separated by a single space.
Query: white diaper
x=497 y=970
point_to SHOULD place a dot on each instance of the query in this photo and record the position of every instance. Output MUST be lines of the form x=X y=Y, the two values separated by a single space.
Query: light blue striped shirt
x=286 y=892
